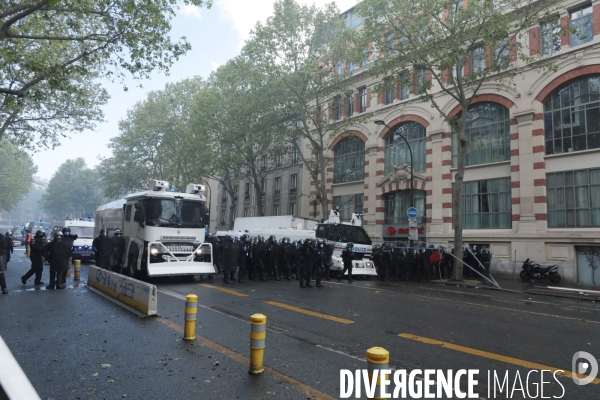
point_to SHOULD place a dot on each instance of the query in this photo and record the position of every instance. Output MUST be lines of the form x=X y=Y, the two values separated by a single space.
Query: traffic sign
x=412 y=212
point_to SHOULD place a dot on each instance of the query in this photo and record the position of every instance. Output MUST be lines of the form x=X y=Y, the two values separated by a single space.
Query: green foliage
x=52 y=53
x=73 y=191
x=16 y=175
x=157 y=140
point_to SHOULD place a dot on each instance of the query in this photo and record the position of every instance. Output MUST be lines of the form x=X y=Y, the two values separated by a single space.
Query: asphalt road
x=74 y=344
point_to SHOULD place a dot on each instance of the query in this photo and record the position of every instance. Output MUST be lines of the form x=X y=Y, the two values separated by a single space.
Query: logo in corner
x=580 y=367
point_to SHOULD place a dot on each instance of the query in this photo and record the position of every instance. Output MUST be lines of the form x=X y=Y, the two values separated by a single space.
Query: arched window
x=488 y=133
x=572 y=116
x=349 y=160
x=396 y=151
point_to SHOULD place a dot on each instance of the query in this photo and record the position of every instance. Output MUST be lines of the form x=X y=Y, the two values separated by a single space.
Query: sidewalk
x=539 y=287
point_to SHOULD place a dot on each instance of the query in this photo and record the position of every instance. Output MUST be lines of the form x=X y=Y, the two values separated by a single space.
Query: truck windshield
x=356 y=234
x=175 y=213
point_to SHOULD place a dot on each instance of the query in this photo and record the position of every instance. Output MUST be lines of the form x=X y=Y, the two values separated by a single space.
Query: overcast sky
x=216 y=35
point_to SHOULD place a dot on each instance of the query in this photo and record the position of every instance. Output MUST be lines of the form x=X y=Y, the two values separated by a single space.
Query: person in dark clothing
x=103 y=248
x=347 y=257
x=243 y=255
x=330 y=247
x=308 y=254
x=259 y=250
x=274 y=254
x=228 y=258
x=58 y=253
x=321 y=257
x=37 y=263
x=3 y=252
x=10 y=246
x=118 y=244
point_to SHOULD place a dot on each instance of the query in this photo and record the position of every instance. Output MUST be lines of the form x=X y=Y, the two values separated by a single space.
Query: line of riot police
x=402 y=263
x=260 y=259
x=110 y=250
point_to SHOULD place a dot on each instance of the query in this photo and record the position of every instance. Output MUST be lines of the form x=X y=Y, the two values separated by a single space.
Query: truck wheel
x=131 y=267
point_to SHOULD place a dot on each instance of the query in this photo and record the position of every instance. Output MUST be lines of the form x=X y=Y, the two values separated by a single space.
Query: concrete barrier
x=137 y=296
x=14 y=384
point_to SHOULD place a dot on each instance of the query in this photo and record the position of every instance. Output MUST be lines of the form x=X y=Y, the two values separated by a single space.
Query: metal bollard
x=258 y=333
x=69 y=270
x=77 y=270
x=378 y=358
x=191 y=309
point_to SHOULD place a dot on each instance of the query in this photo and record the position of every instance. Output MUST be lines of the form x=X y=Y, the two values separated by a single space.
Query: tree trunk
x=457 y=197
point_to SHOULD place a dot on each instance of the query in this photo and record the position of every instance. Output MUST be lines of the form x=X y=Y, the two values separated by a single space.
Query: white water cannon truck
x=164 y=230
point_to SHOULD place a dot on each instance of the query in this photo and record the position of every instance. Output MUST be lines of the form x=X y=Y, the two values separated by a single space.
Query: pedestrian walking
x=37 y=263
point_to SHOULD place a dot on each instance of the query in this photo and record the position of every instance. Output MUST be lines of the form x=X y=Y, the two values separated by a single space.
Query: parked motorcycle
x=536 y=271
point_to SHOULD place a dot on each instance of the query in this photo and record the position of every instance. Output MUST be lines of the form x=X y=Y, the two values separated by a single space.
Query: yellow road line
x=296 y=385
x=222 y=289
x=492 y=356
x=308 y=312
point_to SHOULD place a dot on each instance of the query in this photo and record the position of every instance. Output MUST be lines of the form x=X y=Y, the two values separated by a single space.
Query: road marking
x=308 y=312
x=492 y=356
x=222 y=289
x=296 y=385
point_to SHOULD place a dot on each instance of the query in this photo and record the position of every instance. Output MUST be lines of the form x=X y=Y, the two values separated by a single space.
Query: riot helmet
x=66 y=231
x=261 y=239
x=118 y=232
x=244 y=237
x=236 y=239
x=39 y=234
x=272 y=239
x=58 y=236
x=350 y=245
x=103 y=232
x=286 y=240
x=229 y=238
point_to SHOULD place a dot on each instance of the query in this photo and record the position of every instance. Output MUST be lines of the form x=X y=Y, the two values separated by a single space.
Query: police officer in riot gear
x=37 y=263
x=229 y=258
x=118 y=244
x=259 y=252
x=274 y=251
x=286 y=257
x=103 y=249
x=347 y=257
x=320 y=260
x=3 y=257
x=58 y=253
x=243 y=255
x=307 y=255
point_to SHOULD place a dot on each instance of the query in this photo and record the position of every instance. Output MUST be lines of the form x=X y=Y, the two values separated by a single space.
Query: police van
x=84 y=229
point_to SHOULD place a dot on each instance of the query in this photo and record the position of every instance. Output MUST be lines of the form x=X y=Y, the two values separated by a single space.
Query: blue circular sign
x=412 y=212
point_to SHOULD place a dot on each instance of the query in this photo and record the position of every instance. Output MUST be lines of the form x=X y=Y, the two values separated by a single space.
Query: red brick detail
x=428 y=139
x=345 y=135
x=379 y=209
x=313 y=193
x=516 y=217
x=331 y=116
x=380 y=98
x=329 y=169
x=447 y=148
x=366 y=174
x=514 y=136
x=311 y=214
x=564 y=78
x=429 y=151
x=539 y=182
x=516 y=200
x=368 y=97
x=379 y=173
x=494 y=98
x=447 y=135
x=514 y=168
x=445 y=73
x=467 y=69
x=446 y=205
x=378 y=197
x=535 y=44
x=380 y=161
x=423 y=185
x=428 y=165
x=429 y=193
x=539 y=165
x=565 y=39
x=379 y=222
x=538 y=116
x=366 y=162
x=489 y=56
x=541 y=217
x=514 y=121
x=514 y=152
x=447 y=162
x=539 y=199
x=446 y=177
x=428 y=206
x=366 y=185
x=365 y=210
x=447 y=220
x=365 y=198
x=328 y=190
x=539 y=149
x=396 y=91
x=596 y=18
x=329 y=180
x=399 y=120
x=512 y=49
x=515 y=185
x=428 y=220
x=446 y=190
x=356 y=103
x=537 y=132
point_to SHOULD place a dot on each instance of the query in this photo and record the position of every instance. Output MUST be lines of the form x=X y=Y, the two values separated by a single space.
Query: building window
x=420 y=80
x=478 y=60
x=277 y=186
x=389 y=91
x=246 y=212
x=278 y=161
x=365 y=60
x=276 y=210
x=236 y=191
x=487 y=204
x=390 y=44
x=349 y=160
x=337 y=108
x=351 y=66
x=350 y=104
x=292 y=209
x=348 y=204
x=362 y=99
x=293 y=181
x=396 y=152
x=550 y=35
x=573 y=198
x=572 y=117
x=339 y=68
x=488 y=133
x=353 y=20
x=501 y=55
x=581 y=25
x=247 y=191
x=263 y=164
x=295 y=156
x=223 y=215
x=397 y=203
x=404 y=85
x=224 y=200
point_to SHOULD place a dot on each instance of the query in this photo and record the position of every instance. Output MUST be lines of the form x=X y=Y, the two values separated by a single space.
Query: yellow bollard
x=258 y=333
x=77 y=270
x=378 y=358
x=69 y=270
x=28 y=250
x=191 y=309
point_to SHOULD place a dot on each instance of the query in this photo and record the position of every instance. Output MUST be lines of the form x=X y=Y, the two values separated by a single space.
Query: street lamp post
x=412 y=181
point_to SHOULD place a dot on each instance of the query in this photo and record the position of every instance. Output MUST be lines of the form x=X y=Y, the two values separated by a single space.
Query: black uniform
x=321 y=256
x=243 y=256
x=228 y=260
x=307 y=255
x=58 y=254
x=274 y=250
x=37 y=263
x=119 y=244
x=103 y=248
x=347 y=257
x=258 y=255
x=3 y=252
x=10 y=247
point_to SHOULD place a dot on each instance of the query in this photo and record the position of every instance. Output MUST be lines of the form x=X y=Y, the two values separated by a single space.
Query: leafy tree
x=156 y=140
x=298 y=49
x=52 y=51
x=441 y=38
x=16 y=175
x=73 y=191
